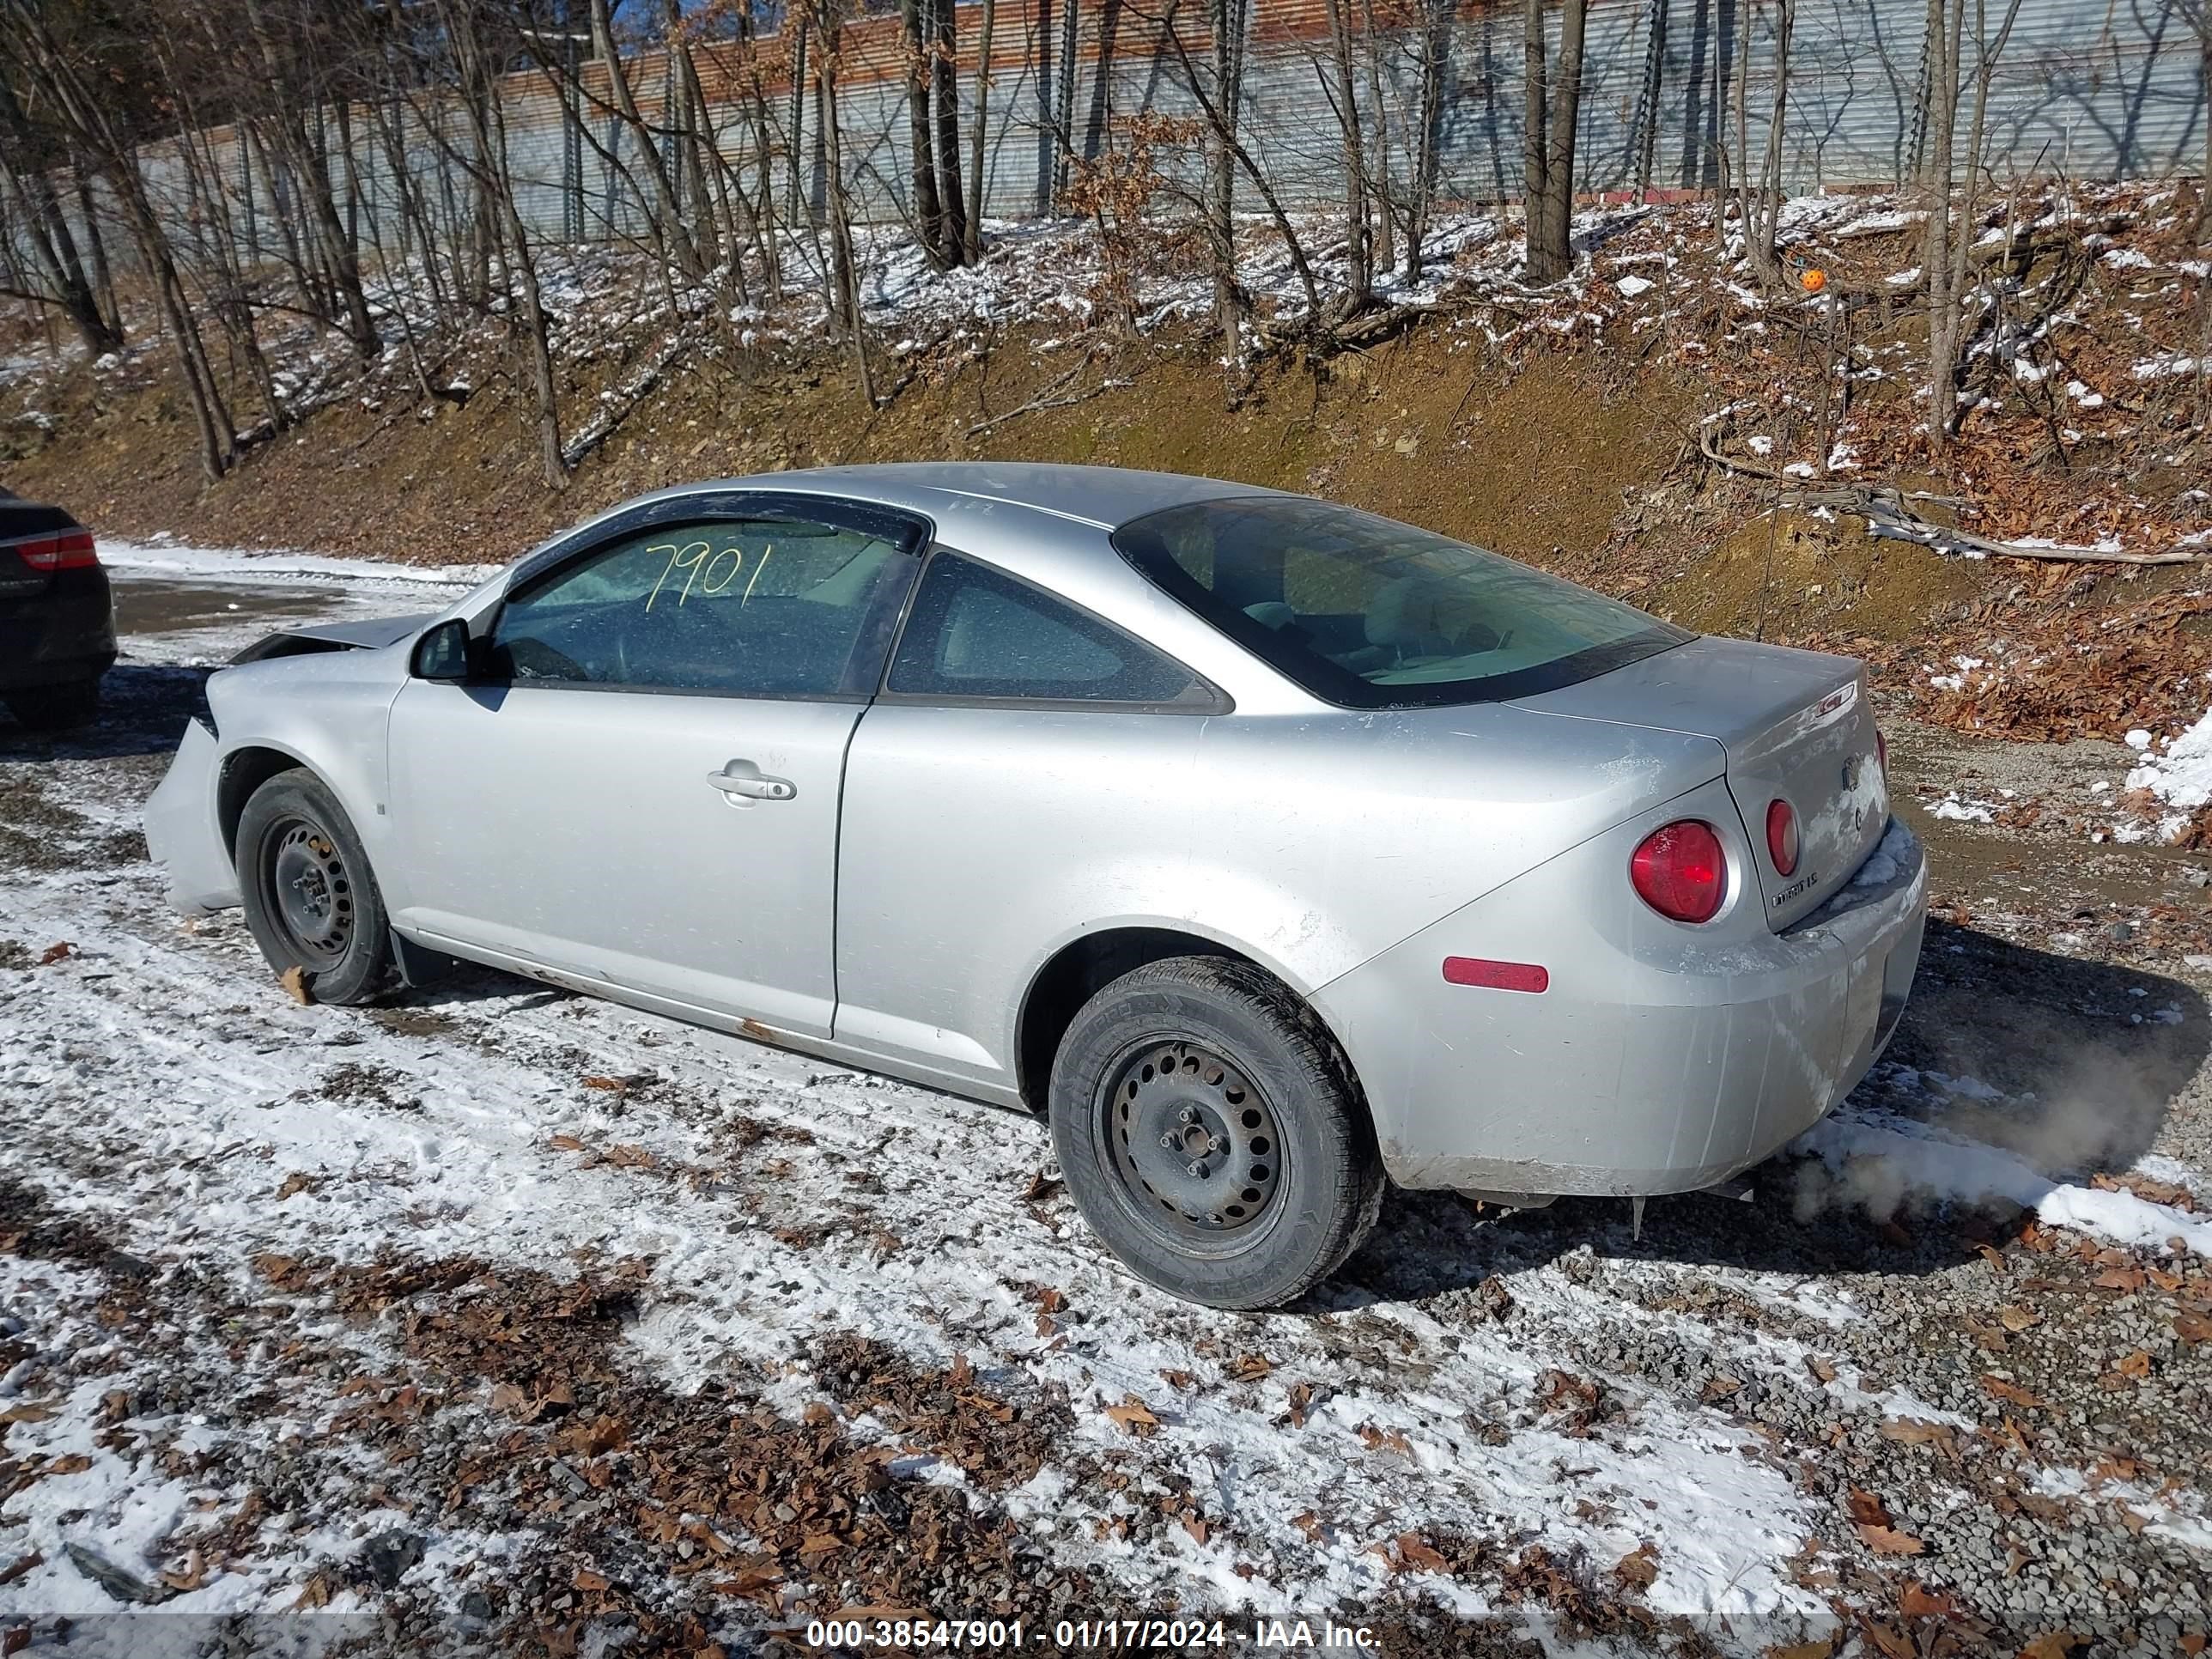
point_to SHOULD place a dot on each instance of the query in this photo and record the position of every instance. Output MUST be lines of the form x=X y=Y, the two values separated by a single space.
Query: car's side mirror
x=442 y=653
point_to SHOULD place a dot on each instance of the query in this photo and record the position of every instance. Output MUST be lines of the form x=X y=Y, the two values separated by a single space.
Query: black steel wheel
x=307 y=887
x=1185 y=1131
x=1212 y=1132
x=310 y=900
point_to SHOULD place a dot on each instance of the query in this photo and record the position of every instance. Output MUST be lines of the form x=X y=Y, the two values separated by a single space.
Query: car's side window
x=976 y=633
x=747 y=607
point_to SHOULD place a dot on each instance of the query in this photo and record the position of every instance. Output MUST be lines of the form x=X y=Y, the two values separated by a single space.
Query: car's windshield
x=1369 y=613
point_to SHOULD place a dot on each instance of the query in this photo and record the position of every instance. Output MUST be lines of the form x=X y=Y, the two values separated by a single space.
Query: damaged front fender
x=183 y=832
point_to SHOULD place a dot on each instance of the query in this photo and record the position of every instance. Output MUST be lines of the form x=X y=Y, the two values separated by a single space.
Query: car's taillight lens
x=66 y=549
x=1782 y=836
x=1881 y=755
x=1681 y=871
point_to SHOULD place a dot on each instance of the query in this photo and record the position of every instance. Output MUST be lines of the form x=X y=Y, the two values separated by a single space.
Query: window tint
x=1373 y=614
x=748 y=607
x=974 y=633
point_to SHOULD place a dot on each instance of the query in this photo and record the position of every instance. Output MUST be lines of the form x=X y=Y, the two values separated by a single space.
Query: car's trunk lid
x=1797 y=726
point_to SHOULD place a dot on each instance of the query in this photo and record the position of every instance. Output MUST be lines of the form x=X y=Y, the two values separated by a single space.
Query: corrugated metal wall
x=2096 y=88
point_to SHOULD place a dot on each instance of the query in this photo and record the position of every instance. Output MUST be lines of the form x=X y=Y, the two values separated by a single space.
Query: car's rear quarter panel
x=977 y=843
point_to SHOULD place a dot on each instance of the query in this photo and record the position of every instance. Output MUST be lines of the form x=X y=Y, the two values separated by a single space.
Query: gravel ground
x=502 y=1317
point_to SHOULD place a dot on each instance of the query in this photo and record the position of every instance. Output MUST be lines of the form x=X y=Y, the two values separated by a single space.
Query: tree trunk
x=1942 y=81
x=1435 y=53
x=982 y=131
x=1566 y=113
x=845 y=266
x=944 y=96
x=1226 y=20
x=45 y=227
x=1386 y=200
x=667 y=218
x=1358 y=250
x=921 y=134
x=1535 y=189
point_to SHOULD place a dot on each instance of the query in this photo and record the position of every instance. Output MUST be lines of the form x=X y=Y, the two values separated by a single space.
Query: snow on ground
x=198 y=1163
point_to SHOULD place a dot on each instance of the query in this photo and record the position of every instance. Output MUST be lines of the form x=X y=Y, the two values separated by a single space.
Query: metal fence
x=2094 y=88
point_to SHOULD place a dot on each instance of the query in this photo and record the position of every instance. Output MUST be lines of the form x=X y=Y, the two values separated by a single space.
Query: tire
x=56 y=707
x=311 y=899
x=1212 y=1133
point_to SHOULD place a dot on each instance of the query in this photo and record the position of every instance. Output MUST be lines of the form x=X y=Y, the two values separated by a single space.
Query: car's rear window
x=1369 y=613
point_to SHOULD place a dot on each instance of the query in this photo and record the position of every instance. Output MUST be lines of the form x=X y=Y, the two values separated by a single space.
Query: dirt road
x=498 y=1315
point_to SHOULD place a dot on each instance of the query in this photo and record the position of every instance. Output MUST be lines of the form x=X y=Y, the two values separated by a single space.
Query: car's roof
x=1106 y=496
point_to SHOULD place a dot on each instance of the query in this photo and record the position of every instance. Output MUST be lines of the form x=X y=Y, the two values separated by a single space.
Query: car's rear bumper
x=183 y=832
x=1651 y=1063
x=60 y=636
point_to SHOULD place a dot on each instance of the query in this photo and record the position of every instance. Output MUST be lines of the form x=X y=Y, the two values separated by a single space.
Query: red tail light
x=1680 y=872
x=1881 y=754
x=66 y=549
x=1782 y=836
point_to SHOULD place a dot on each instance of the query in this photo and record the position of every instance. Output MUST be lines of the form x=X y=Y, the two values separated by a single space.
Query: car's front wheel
x=1212 y=1133
x=56 y=707
x=310 y=898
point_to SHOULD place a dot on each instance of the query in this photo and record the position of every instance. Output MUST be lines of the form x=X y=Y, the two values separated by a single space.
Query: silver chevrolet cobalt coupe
x=1269 y=847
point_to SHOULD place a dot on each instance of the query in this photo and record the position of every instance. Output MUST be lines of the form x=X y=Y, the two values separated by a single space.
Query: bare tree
x=983 y=127
x=945 y=99
x=25 y=159
x=827 y=23
x=921 y=134
x=1359 y=257
x=1435 y=42
x=72 y=70
x=1947 y=242
x=1553 y=108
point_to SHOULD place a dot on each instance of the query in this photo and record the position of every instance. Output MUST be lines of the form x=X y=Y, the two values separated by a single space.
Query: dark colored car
x=56 y=617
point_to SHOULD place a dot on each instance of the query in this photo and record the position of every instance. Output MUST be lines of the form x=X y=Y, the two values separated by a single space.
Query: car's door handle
x=750 y=783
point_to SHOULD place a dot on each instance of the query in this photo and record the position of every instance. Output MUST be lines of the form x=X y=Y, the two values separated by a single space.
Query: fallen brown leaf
x=1640 y=1568
x=1420 y=1556
x=1888 y=1540
x=567 y=1143
x=2136 y=1364
x=2011 y=1391
x=1913 y=1432
x=1132 y=1416
x=9 y=1575
x=2017 y=1319
x=613 y=1085
x=299 y=986
x=1917 y=1600
x=54 y=953
x=1309 y=1524
x=2052 y=1644
x=1865 y=1508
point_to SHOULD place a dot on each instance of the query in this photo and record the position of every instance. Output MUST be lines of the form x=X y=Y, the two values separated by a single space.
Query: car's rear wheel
x=56 y=707
x=310 y=900
x=1212 y=1133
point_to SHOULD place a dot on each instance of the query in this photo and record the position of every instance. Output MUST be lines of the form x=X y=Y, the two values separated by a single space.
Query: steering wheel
x=534 y=659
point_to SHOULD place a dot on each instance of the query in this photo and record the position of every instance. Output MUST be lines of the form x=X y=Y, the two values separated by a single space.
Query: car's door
x=638 y=782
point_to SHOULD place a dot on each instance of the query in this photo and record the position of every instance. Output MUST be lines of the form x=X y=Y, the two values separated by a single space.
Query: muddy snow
x=505 y=1316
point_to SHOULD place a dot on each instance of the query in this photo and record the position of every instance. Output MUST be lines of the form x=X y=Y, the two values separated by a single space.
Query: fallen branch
x=1051 y=397
x=1888 y=515
x=621 y=404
